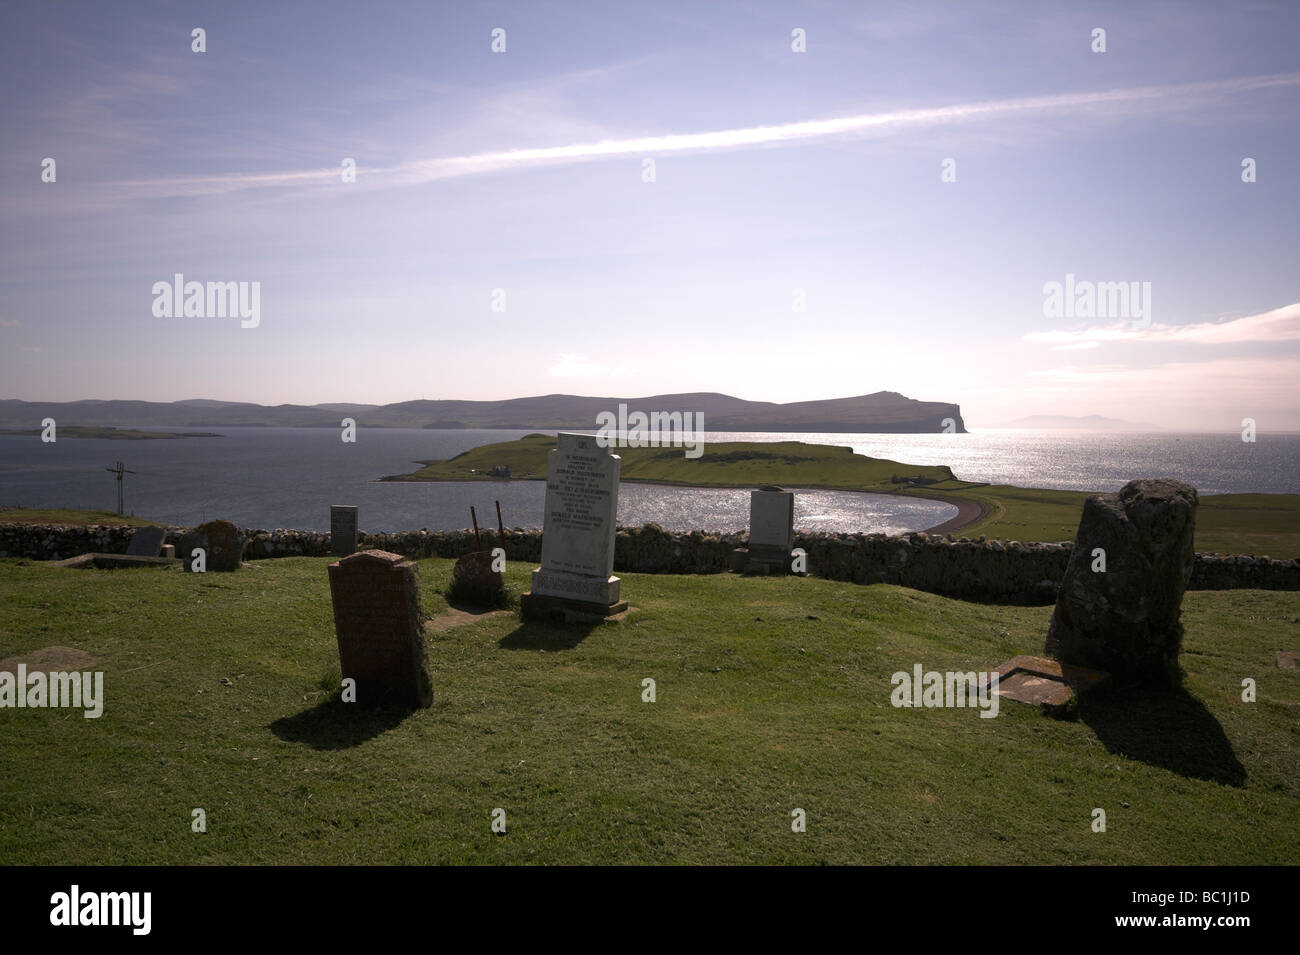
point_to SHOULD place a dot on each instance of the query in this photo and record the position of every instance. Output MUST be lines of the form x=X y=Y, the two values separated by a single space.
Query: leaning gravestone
x=380 y=628
x=343 y=530
x=222 y=542
x=771 y=533
x=576 y=577
x=1125 y=619
x=146 y=542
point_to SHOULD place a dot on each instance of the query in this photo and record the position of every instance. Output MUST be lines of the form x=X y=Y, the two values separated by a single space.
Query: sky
x=777 y=201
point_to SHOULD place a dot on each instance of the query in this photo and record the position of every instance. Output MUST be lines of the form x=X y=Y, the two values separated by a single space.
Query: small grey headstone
x=146 y=542
x=343 y=530
x=771 y=530
x=771 y=519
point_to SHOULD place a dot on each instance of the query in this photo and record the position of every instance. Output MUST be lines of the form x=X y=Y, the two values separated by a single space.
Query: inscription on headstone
x=578 y=535
x=380 y=630
x=581 y=500
x=343 y=530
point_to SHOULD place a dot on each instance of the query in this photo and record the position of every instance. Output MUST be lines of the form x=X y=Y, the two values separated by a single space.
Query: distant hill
x=1092 y=422
x=884 y=411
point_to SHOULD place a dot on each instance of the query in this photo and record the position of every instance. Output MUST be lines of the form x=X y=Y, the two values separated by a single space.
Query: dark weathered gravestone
x=380 y=628
x=1125 y=619
x=222 y=542
x=474 y=581
x=343 y=530
x=146 y=542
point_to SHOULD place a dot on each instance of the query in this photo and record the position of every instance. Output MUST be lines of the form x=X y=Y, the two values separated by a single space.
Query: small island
x=104 y=431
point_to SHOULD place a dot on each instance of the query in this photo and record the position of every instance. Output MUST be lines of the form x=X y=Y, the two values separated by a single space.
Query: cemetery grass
x=772 y=694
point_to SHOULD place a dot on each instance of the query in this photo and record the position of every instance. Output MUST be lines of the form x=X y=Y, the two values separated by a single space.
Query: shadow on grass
x=540 y=635
x=1170 y=729
x=477 y=608
x=338 y=725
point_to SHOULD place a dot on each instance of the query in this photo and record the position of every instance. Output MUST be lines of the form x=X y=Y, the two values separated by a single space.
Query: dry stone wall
x=970 y=569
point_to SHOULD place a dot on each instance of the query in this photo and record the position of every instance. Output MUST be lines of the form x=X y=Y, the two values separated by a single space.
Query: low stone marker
x=111 y=561
x=343 y=530
x=576 y=578
x=380 y=628
x=1047 y=683
x=771 y=533
x=1125 y=619
x=474 y=581
x=223 y=544
x=146 y=542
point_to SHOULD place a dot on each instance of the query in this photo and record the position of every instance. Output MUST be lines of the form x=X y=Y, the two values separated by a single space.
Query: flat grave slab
x=106 y=561
x=1042 y=681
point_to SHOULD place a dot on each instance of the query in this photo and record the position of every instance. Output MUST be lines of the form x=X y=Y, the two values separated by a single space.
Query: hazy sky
x=774 y=171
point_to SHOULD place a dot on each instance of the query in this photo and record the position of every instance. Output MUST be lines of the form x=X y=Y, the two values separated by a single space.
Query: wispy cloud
x=1279 y=325
x=576 y=366
x=1201 y=388
x=430 y=170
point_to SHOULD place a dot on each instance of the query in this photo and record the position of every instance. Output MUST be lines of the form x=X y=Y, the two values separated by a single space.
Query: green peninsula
x=1260 y=524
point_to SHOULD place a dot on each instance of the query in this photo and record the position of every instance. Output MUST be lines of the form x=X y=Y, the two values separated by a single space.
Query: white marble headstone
x=581 y=505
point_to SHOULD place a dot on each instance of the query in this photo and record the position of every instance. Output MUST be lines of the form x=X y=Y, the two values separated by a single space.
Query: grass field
x=61 y=515
x=772 y=694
